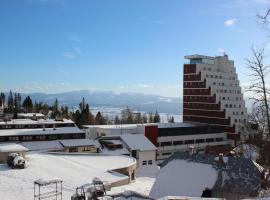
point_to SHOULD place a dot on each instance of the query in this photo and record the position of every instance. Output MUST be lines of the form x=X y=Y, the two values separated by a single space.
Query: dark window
x=220 y=139
x=200 y=141
x=210 y=140
x=189 y=142
x=177 y=142
x=165 y=144
x=166 y=154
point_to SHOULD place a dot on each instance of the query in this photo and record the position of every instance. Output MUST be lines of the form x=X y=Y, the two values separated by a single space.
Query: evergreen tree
x=28 y=104
x=144 y=118
x=156 y=118
x=3 y=97
x=171 y=119
x=10 y=102
x=150 y=118
x=117 y=120
x=100 y=119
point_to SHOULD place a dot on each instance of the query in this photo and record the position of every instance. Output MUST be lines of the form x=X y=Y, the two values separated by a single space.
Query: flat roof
x=30 y=114
x=33 y=122
x=77 y=142
x=134 y=126
x=40 y=131
x=12 y=147
x=137 y=142
x=198 y=56
x=74 y=169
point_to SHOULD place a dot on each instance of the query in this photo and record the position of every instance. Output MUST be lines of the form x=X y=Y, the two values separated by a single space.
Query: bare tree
x=258 y=86
x=264 y=18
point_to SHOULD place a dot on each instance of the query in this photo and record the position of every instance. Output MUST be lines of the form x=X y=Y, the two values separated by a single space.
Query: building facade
x=25 y=130
x=212 y=94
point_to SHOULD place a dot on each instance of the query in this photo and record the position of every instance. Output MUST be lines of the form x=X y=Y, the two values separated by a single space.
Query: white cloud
x=69 y=55
x=230 y=22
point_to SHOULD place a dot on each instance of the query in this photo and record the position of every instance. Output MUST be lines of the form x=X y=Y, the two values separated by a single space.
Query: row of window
x=20 y=126
x=220 y=77
x=229 y=91
x=145 y=162
x=41 y=137
x=197 y=141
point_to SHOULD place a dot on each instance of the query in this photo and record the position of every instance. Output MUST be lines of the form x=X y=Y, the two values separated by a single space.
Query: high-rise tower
x=212 y=94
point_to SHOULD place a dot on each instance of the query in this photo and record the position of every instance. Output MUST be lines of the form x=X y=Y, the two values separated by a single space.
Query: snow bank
x=183 y=178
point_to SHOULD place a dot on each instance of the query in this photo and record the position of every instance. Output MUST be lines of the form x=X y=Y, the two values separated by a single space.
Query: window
x=150 y=162
x=177 y=142
x=209 y=140
x=189 y=142
x=144 y=162
x=220 y=139
x=200 y=141
x=166 y=154
x=165 y=144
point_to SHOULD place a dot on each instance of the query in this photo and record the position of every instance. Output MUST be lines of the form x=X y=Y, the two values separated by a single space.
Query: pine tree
x=150 y=118
x=117 y=120
x=10 y=102
x=28 y=104
x=156 y=118
x=3 y=97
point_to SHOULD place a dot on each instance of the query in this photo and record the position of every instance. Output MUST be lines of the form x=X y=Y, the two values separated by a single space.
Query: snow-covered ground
x=183 y=178
x=74 y=170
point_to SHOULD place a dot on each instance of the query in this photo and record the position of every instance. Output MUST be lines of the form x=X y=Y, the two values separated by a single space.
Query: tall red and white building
x=212 y=94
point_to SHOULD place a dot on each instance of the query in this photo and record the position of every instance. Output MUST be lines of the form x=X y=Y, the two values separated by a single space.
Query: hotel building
x=212 y=94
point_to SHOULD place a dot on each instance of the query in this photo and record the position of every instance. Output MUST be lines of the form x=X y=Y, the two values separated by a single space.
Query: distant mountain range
x=136 y=101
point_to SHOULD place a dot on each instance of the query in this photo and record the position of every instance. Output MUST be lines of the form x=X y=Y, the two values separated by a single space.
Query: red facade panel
x=202 y=99
x=151 y=132
x=195 y=84
x=206 y=113
x=197 y=92
x=206 y=120
x=204 y=106
x=192 y=77
x=189 y=68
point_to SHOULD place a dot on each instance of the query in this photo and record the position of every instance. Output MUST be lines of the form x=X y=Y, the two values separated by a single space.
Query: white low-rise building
x=141 y=148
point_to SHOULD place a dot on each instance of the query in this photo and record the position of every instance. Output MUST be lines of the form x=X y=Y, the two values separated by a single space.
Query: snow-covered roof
x=238 y=175
x=27 y=115
x=77 y=142
x=12 y=147
x=134 y=126
x=35 y=122
x=73 y=169
x=43 y=145
x=40 y=131
x=137 y=142
x=180 y=177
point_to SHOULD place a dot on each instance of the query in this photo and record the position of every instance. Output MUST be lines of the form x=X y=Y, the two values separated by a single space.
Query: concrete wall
x=146 y=156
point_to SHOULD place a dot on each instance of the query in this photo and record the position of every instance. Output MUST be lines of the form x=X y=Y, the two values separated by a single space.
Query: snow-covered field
x=74 y=170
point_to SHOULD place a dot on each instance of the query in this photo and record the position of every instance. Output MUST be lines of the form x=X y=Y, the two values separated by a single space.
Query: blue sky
x=121 y=45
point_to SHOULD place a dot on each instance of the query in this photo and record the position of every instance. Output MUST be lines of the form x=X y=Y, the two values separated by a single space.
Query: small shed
x=8 y=148
x=79 y=145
